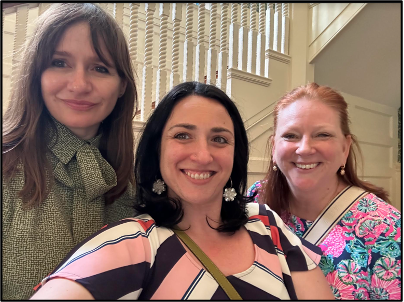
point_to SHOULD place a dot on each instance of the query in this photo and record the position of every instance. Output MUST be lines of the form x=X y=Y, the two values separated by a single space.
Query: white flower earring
x=159 y=186
x=229 y=193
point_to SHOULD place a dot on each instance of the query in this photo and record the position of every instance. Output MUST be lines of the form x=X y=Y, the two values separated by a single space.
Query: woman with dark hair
x=191 y=171
x=68 y=153
x=312 y=183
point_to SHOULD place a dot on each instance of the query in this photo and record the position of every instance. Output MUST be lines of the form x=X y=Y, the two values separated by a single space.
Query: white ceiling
x=364 y=59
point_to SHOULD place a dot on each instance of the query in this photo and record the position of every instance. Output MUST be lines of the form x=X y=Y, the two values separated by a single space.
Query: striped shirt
x=135 y=259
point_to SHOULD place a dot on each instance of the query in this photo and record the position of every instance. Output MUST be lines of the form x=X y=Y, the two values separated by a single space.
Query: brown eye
x=182 y=136
x=58 y=63
x=220 y=140
x=101 y=69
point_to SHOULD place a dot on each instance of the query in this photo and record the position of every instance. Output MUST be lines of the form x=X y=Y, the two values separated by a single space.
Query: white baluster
x=119 y=14
x=223 y=54
x=269 y=32
x=285 y=28
x=43 y=7
x=188 y=43
x=212 y=52
x=200 y=47
x=176 y=17
x=161 y=82
x=147 y=80
x=243 y=39
x=277 y=27
x=133 y=30
x=233 y=38
x=20 y=34
x=252 y=41
x=261 y=41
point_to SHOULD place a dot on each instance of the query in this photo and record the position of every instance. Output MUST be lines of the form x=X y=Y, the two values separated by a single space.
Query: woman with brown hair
x=67 y=141
x=312 y=183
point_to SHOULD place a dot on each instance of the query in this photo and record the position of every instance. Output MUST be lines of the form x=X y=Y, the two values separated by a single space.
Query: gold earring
x=275 y=168
x=342 y=171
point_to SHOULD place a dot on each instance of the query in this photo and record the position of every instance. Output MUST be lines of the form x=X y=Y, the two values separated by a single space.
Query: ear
x=347 y=146
x=122 y=88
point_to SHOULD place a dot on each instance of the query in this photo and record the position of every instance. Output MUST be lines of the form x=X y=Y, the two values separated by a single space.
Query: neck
x=308 y=205
x=196 y=218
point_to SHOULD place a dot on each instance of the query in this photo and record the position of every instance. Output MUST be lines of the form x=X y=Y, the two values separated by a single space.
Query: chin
x=304 y=185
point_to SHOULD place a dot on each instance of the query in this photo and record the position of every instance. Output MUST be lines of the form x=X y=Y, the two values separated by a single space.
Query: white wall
x=327 y=20
x=375 y=127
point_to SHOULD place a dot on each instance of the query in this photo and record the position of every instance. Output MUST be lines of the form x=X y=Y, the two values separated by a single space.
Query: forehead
x=80 y=34
x=310 y=111
x=198 y=109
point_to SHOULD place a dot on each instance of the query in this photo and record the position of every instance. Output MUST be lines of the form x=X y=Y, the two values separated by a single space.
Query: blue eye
x=58 y=63
x=101 y=69
x=182 y=136
x=220 y=140
x=323 y=135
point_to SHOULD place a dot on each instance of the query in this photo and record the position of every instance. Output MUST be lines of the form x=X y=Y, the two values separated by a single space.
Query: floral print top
x=362 y=253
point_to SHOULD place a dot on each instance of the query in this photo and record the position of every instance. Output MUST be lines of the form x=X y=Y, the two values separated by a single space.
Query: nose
x=305 y=146
x=202 y=154
x=79 y=82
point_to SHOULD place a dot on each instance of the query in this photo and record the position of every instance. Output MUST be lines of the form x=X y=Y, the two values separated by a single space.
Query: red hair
x=275 y=188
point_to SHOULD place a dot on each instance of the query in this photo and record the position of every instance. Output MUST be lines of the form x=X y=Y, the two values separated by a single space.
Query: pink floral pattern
x=341 y=290
x=361 y=254
x=334 y=243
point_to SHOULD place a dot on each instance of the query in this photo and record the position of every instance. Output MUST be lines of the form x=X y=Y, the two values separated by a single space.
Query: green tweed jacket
x=37 y=239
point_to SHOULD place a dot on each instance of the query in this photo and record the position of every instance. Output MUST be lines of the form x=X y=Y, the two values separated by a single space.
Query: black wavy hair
x=167 y=211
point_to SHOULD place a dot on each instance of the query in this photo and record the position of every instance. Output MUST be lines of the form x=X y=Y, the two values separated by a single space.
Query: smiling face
x=78 y=89
x=309 y=146
x=197 y=150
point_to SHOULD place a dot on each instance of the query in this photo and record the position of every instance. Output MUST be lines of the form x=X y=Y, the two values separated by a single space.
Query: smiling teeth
x=306 y=166
x=199 y=176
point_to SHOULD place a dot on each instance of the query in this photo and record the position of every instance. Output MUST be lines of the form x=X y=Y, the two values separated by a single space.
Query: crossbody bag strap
x=333 y=213
x=209 y=265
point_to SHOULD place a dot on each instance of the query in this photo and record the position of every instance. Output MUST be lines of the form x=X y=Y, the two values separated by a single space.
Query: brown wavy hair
x=27 y=119
x=275 y=187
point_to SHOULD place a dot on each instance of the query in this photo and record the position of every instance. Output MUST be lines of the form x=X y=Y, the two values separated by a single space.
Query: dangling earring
x=159 y=186
x=275 y=167
x=229 y=193
x=342 y=171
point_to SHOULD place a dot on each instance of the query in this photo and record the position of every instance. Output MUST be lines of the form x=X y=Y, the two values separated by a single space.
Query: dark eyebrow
x=220 y=129
x=68 y=54
x=186 y=126
x=193 y=127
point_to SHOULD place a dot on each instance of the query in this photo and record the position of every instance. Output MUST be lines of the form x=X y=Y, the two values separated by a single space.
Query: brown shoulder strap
x=209 y=265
